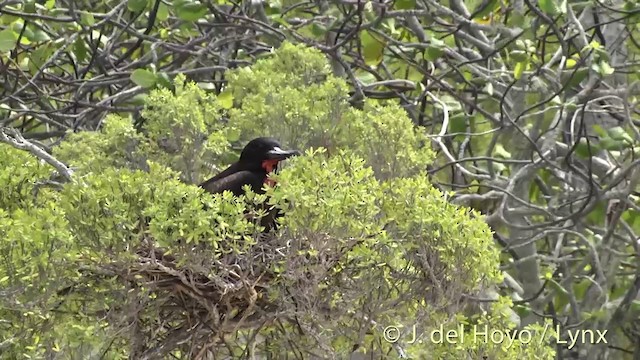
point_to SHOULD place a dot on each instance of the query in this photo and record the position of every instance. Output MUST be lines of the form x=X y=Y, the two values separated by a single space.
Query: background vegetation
x=410 y=113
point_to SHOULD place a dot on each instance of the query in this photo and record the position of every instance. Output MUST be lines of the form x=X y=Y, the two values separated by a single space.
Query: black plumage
x=258 y=158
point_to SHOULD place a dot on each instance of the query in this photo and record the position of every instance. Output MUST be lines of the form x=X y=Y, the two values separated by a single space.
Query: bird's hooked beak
x=278 y=154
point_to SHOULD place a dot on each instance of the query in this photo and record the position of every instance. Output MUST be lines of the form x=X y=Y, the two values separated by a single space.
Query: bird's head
x=264 y=153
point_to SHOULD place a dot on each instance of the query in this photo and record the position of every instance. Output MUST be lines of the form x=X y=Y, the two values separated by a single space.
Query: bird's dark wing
x=235 y=182
x=234 y=168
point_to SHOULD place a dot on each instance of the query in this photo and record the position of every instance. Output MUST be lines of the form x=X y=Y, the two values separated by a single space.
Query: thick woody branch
x=14 y=138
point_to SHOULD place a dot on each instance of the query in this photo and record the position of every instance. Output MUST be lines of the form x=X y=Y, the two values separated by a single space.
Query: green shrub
x=366 y=241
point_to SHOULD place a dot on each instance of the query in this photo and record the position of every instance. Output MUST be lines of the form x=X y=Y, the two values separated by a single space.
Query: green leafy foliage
x=37 y=250
x=435 y=49
x=405 y=4
x=502 y=339
x=384 y=136
x=524 y=85
x=189 y=10
x=144 y=78
x=318 y=188
x=117 y=145
x=184 y=128
x=397 y=231
x=19 y=175
x=420 y=213
x=550 y=7
x=113 y=209
x=38 y=255
x=87 y=18
x=304 y=106
x=363 y=228
x=7 y=39
x=373 y=48
x=136 y=5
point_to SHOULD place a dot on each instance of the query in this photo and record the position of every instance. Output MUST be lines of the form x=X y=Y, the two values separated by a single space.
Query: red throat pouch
x=269 y=165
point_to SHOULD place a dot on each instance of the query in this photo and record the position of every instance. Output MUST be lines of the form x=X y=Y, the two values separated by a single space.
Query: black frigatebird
x=258 y=158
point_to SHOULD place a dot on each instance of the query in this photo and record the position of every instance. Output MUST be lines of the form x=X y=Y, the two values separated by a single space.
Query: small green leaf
x=599 y=130
x=458 y=123
x=405 y=4
x=29 y=6
x=40 y=55
x=80 y=49
x=365 y=77
x=86 y=18
x=372 y=48
x=518 y=70
x=574 y=77
x=522 y=310
x=232 y=134
x=580 y=288
x=500 y=151
x=139 y=99
x=272 y=8
x=596 y=314
x=534 y=191
x=136 y=5
x=163 y=12
x=226 y=99
x=39 y=36
x=619 y=134
x=606 y=69
x=318 y=30
x=519 y=55
x=608 y=143
x=594 y=44
x=550 y=7
x=27 y=33
x=7 y=40
x=190 y=11
x=143 y=78
x=435 y=49
x=390 y=25
x=164 y=81
x=50 y=4
x=616 y=133
x=485 y=8
x=433 y=53
x=586 y=150
x=563 y=295
x=523 y=21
